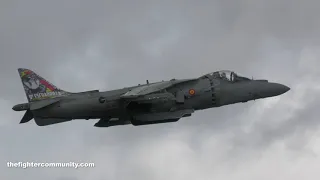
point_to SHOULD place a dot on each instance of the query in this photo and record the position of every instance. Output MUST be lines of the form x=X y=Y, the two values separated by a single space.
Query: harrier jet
x=149 y=103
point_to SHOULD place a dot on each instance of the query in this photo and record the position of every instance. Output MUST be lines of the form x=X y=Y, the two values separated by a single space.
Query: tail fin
x=37 y=88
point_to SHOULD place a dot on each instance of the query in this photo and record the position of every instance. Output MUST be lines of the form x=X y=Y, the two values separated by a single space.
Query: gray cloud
x=82 y=45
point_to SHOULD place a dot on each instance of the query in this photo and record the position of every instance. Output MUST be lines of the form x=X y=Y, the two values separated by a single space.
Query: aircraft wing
x=151 y=88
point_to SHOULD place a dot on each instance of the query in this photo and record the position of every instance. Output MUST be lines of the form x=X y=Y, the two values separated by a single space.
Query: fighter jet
x=149 y=103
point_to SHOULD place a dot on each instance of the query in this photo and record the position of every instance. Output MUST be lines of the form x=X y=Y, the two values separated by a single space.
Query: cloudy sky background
x=82 y=45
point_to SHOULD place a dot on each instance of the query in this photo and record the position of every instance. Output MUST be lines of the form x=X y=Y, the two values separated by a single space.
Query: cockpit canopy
x=227 y=76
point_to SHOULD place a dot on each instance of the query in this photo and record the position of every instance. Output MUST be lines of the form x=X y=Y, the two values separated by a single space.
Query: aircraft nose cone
x=275 y=89
x=285 y=89
x=281 y=89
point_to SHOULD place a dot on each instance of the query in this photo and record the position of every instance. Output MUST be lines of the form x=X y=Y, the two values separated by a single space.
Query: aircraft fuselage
x=164 y=105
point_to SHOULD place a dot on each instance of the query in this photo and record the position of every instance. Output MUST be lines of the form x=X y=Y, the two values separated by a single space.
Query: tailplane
x=37 y=88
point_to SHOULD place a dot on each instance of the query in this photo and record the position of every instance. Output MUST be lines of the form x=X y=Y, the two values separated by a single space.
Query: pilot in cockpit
x=224 y=76
x=227 y=76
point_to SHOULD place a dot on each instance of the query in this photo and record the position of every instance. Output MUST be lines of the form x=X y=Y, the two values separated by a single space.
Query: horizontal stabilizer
x=27 y=117
x=41 y=104
x=49 y=121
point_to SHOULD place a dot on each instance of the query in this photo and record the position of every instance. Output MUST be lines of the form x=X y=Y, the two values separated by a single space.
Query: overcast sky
x=86 y=45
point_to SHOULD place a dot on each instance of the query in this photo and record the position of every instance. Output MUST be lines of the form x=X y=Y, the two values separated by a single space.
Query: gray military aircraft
x=150 y=103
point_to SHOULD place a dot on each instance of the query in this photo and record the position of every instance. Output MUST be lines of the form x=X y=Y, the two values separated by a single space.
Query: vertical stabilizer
x=37 y=88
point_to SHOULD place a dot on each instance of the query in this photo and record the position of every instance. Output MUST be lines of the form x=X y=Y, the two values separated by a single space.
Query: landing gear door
x=180 y=97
